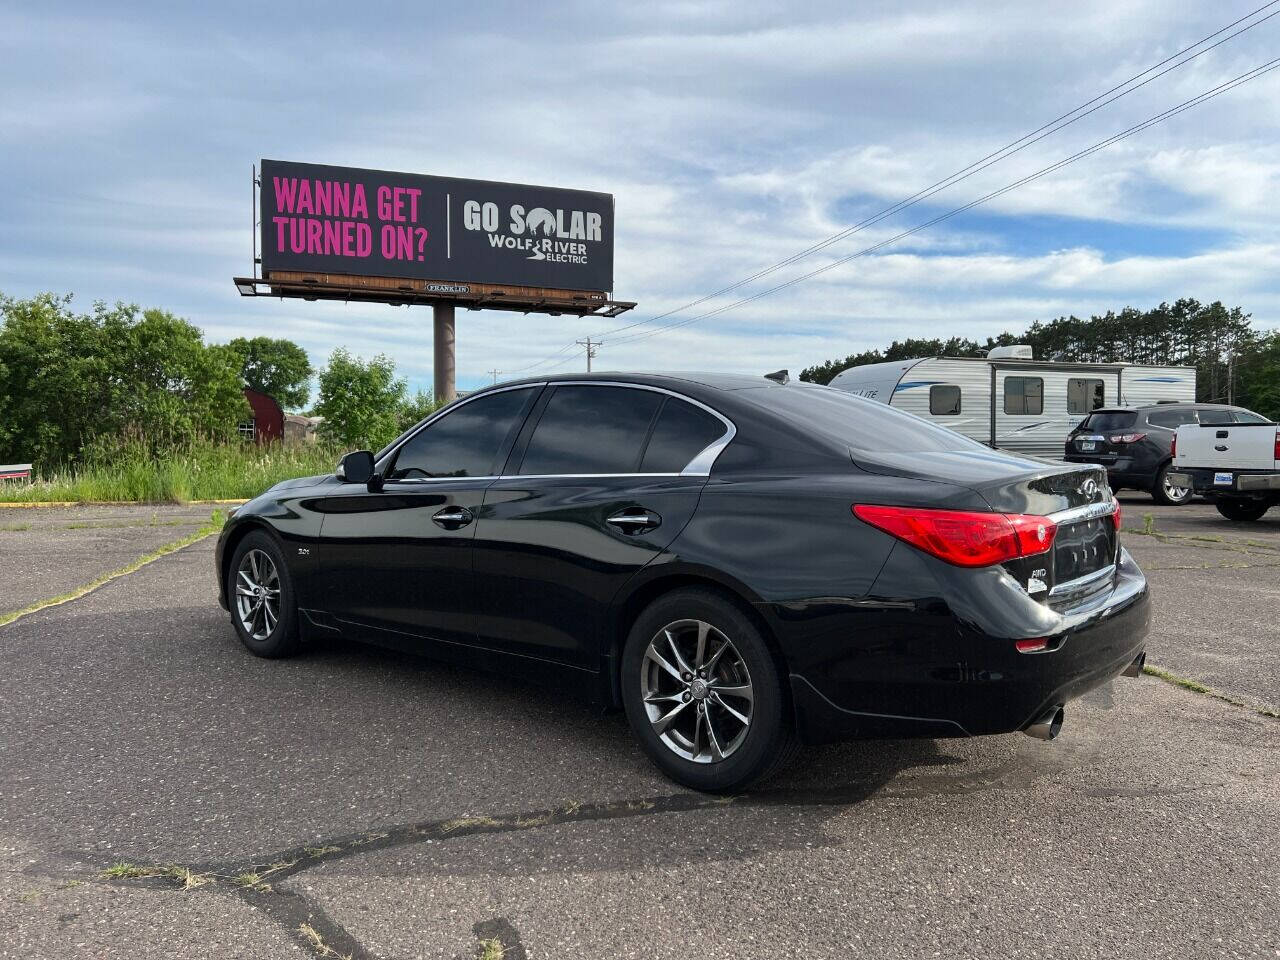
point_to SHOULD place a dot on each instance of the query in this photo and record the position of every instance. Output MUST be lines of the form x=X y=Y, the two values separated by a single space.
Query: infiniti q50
x=741 y=565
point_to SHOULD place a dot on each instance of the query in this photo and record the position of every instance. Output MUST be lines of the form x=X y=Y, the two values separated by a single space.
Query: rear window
x=681 y=433
x=591 y=430
x=1248 y=416
x=860 y=423
x=1109 y=420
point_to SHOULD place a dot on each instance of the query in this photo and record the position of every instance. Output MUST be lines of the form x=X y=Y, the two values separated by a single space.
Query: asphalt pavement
x=352 y=801
x=48 y=551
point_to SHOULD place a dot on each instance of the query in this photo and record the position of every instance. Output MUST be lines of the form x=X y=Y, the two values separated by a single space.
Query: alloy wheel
x=258 y=594
x=697 y=691
x=1175 y=494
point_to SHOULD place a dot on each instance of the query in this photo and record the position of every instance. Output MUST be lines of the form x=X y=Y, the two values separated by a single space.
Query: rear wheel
x=1168 y=494
x=260 y=595
x=703 y=694
x=1242 y=509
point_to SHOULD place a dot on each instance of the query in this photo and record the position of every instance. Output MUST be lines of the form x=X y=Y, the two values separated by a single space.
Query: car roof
x=1172 y=405
x=714 y=381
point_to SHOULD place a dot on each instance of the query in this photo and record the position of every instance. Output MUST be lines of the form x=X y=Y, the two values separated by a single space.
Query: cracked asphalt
x=393 y=808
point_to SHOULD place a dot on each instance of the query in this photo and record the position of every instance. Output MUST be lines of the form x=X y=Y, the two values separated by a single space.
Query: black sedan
x=741 y=565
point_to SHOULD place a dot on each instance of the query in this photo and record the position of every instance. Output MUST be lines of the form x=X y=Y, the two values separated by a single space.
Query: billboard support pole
x=442 y=313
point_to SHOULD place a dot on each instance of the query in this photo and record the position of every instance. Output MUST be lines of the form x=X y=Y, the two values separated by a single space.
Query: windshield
x=1109 y=420
x=860 y=423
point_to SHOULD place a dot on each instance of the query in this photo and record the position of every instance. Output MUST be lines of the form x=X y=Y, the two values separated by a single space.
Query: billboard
x=373 y=223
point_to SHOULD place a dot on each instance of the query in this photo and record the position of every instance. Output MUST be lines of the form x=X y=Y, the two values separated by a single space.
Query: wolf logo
x=540 y=218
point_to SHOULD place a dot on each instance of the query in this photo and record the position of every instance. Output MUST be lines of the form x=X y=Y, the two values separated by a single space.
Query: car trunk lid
x=1076 y=497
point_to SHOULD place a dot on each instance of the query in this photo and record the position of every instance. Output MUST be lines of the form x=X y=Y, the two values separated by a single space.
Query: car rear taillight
x=1276 y=452
x=961 y=537
x=1115 y=517
x=1173 y=445
x=1128 y=437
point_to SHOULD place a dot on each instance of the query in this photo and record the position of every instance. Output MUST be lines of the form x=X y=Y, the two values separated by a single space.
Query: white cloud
x=732 y=134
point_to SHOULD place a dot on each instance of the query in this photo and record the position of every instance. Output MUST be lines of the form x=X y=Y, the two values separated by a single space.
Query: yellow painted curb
x=36 y=504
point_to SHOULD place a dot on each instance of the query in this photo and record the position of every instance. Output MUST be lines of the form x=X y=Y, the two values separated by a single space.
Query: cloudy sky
x=731 y=134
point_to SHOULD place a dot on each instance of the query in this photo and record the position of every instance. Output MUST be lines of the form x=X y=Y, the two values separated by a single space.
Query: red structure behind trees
x=267 y=425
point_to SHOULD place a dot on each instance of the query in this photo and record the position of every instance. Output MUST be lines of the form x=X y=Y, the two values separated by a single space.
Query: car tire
x=1164 y=493
x=1242 y=510
x=688 y=716
x=266 y=620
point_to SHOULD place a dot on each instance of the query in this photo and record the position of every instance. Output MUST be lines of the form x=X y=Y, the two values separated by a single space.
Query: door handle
x=635 y=521
x=452 y=518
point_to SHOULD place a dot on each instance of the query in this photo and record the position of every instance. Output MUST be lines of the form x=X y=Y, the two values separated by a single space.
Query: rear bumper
x=1243 y=482
x=1121 y=471
x=938 y=676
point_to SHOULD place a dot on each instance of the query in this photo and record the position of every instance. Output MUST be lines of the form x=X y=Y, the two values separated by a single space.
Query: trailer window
x=1085 y=394
x=1024 y=395
x=944 y=400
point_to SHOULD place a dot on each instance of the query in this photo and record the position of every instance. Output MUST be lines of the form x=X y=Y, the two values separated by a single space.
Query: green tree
x=1260 y=376
x=418 y=407
x=68 y=379
x=1233 y=362
x=360 y=401
x=278 y=368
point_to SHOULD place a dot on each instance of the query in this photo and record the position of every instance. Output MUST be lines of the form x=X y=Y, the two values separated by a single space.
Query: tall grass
x=200 y=470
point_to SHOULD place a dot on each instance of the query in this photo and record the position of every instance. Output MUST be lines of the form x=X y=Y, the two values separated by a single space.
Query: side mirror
x=355 y=467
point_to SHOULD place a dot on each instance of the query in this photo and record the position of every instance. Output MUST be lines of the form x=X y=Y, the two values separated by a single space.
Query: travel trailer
x=1011 y=401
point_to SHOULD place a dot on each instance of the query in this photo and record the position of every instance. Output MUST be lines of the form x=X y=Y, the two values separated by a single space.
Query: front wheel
x=703 y=693
x=1245 y=510
x=1166 y=493
x=260 y=595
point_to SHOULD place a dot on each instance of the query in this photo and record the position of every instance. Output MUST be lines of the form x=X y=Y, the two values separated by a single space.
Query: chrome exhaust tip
x=1135 y=669
x=1048 y=726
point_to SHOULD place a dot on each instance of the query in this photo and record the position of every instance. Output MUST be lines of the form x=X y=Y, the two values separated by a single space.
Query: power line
x=1016 y=146
x=1045 y=171
x=1035 y=136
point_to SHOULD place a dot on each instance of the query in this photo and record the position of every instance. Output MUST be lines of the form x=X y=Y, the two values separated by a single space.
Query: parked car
x=1135 y=443
x=741 y=565
x=1236 y=466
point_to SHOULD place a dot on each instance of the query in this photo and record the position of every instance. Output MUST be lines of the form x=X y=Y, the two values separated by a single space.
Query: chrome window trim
x=1073 y=586
x=699 y=466
x=584 y=476
x=434 y=479
x=1090 y=511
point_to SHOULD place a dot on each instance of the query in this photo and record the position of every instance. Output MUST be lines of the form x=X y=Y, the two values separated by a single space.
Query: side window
x=944 y=400
x=1024 y=395
x=681 y=433
x=588 y=429
x=1083 y=394
x=1248 y=416
x=1171 y=419
x=465 y=442
x=1215 y=416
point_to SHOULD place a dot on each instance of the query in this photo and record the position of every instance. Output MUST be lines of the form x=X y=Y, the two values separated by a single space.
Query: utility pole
x=591 y=346
x=495 y=373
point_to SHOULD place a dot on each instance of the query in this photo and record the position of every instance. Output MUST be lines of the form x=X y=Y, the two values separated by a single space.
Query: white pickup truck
x=1237 y=465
